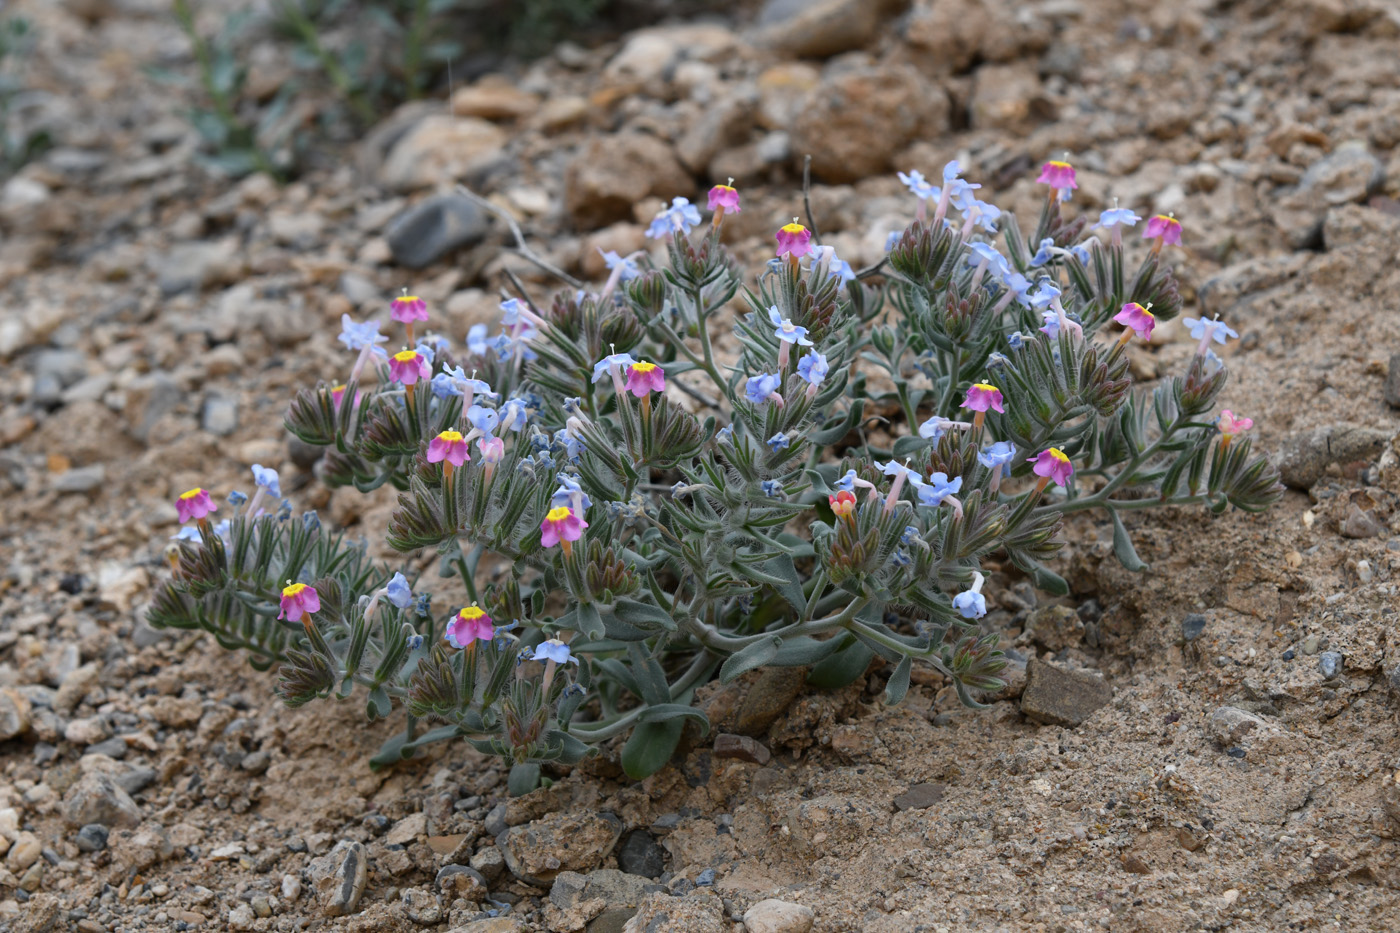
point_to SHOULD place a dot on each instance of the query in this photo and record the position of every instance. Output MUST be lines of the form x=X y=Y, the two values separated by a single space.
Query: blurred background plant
x=18 y=143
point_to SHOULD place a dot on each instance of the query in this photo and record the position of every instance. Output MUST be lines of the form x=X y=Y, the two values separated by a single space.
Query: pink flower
x=493 y=449
x=1059 y=176
x=644 y=378
x=409 y=308
x=1138 y=318
x=408 y=366
x=298 y=599
x=449 y=446
x=1168 y=228
x=194 y=504
x=1230 y=425
x=982 y=396
x=794 y=240
x=723 y=197
x=338 y=393
x=1053 y=465
x=561 y=524
x=468 y=626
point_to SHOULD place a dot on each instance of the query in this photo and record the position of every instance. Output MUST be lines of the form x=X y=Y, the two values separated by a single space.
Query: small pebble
x=92 y=838
x=1236 y=752
x=705 y=879
x=1289 y=655
x=1193 y=626
x=1330 y=663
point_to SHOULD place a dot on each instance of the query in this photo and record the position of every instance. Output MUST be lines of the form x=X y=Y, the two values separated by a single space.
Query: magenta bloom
x=981 y=396
x=1168 y=228
x=723 y=196
x=1135 y=316
x=1060 y=176
x=449 y=446
x=1230 y=424
x=468 y=626
x=194 y=504
x=493 y=449
x=1053 y=465
x=408 y=366
x=298 y=600
x=561 y=524
x=644 y=378
x=409 y=308
x=794 y=240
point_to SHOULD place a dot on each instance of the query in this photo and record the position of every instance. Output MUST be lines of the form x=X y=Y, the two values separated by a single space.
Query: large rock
x=1349 y=174
x=567 y=841
x=1057 y=696
x=826 y=27
x=1302 y=459
x=775 y=916
x=339 y=878
x=440 y=150
x=1006 y=97
x=610 y=174
x=854 y=122
x=97 y=798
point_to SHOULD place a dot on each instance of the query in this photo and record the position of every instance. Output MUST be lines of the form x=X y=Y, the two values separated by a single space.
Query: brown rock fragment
x=1056 y=696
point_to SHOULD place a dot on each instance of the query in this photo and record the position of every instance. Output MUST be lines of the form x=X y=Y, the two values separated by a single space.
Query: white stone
x=774 y=916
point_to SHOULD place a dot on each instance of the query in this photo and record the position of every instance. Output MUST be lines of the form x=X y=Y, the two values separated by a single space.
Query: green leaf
x=749 y=657
x=1049 y=581
x=588 y=620
x=651 y=745
x=791 y=589
x=898 y=684
x=665 y=712
x=1123 y=545
x=804 y=651
x=909 y=445
x=391 y=752
x=843 y=667
x=643 y=614
x=378 y=706
x=524 y=777
x=650 y=676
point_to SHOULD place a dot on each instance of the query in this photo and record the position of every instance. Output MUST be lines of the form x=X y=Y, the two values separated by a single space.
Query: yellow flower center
x=1060 y=164
x=339 y=388
x=293 y=589
x=1058 y=455
x=191 y=494
x=985 y=387
x=723 y=188
x=406 y=356
x=1165 y=219
x=405 y=299
x=643 y=367
x=558 y=514
x=794 y=228
x=471 y=613
x=450 y=436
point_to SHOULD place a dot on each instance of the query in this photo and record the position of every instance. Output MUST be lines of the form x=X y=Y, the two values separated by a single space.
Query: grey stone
x=496 y=820
x=920 y=797
x=80 y=479
x=97 y=798
x=360 y=290
x=1061 y=697
x=114 y=747
x=775 y=916
x=1351 y=173
x=460 y=881
x=642 y=855
x=56 y=370
x=1392 y=381
x=1193 y=626
x=431 y=229
x=219 y=415
x=1054 y=628
x=421 y=906
x=304 y=455
x=14 y=714
x=88 y=389
x=490 y=863
x=1361 y=523
x=1303 y=458
x=92 y=838
x=822 y=28
x=1330 y=663
x=192 y=266
x=742 y=747
x=149 y=397
x=339 y=878
x=136 y=780
x=611 y=920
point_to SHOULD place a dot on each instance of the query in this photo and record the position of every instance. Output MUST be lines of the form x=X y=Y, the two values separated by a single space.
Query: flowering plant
x=657 y=516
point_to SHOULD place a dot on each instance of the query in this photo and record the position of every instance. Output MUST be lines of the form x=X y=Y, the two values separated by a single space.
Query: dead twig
x=521 y=246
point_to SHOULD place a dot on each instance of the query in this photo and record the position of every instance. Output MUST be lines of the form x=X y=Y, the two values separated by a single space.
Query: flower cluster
x=661 y=510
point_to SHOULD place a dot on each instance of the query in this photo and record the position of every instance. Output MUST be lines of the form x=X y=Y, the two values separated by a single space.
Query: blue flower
x=415 y=641
x=188 y=533
x=996 y=455
x=444 y=385
x=284 y=511
x=267 y=479
x=237 y=498
x=935 y=427
x=1016 y=340
x=573 y=405
x=358 y=336
x=483 y=419
x=725 y=435
x=846 y=483
x=759 y=387
x=952 y=170
x=892 y=239
x=1118 y=215
x=1216 y=329
x=911 y=534
x=772 y=488
x=787 y=331
x=680 y=217
x=510 y=311
x=1018 y=284
x=979 y=253
x=971 y=605
x=997 y=360
x=813 y=367
x=568 y=488
x=554 y=649
x=840 y=268
x=573 y=447
x=516 y=411
x=398 y=591
x=901 y=558
x=625 y=263
x=939 y=488
x=920 y=188
x=602 y=367
x=778 y=442
x=503 y=345
x=422 y=604
x=913 y=477
x=1045 y=293
x=1052 y=324
x=222 y=530
x=679 y=488
x=1081 y=252
x=476 y=339
x=1044 y=254
x=310 y=520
